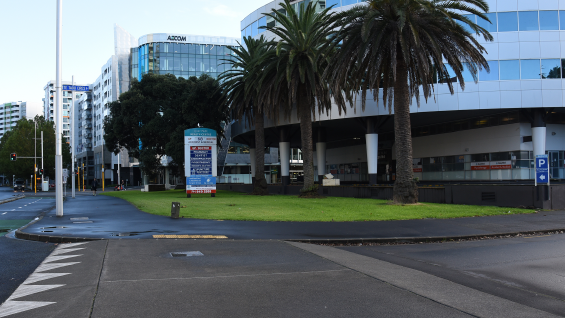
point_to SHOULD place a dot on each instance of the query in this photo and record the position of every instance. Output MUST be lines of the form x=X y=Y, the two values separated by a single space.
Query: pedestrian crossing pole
x=83 y=177
x=35 y=178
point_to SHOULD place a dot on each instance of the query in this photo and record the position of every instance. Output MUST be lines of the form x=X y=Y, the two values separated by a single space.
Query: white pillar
x=166 y=177
x=284 y=148
x=372 y=145
x=538 y=140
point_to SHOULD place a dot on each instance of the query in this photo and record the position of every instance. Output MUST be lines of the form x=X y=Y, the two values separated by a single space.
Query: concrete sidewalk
x=87 y=217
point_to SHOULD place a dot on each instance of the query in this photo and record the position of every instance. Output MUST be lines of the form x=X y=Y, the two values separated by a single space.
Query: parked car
x=19 y=185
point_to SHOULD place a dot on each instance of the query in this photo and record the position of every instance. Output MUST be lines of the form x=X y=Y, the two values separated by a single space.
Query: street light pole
x=59 y=116
x=73 y=149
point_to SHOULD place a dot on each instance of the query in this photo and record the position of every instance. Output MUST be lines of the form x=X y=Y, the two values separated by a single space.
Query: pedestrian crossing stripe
x=190 y=236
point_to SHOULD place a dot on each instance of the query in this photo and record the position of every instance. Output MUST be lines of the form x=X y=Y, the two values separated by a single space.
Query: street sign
x=200 y=160
x=76 y=88
x=542 y=169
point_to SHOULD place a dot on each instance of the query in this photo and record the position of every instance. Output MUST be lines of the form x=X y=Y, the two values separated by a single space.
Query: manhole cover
x=122 y=234
x=79 y=219
x=186 y=254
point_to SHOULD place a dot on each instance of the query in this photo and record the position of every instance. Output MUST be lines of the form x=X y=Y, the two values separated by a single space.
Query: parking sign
x=542 y=169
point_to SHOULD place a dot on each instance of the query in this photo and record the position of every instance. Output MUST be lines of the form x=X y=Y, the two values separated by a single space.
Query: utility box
x=45 y=186
x=175 y=210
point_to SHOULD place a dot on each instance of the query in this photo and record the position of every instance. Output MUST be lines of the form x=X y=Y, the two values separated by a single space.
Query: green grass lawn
x=229 y=205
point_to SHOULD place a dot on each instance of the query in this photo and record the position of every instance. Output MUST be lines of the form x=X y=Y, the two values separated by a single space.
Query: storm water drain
x=84 y=222
x=186 y=254
x=80 y=219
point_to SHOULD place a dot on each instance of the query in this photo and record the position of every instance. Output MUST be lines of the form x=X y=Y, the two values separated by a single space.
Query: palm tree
x=240 y=86
x=304 y=45
x=397 y=46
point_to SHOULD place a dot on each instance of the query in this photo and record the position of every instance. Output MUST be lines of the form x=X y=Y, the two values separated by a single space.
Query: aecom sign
x=176 y=38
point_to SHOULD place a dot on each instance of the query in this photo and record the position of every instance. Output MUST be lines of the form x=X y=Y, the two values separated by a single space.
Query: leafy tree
x=149 y=120
x=397 y=45
x=20 y=141
x=240 y=85
x=305 y=45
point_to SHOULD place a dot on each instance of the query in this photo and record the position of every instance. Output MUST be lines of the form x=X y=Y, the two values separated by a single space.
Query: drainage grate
x=79 y=219
x=186 y=254
x=488 y=196
x=84 y=222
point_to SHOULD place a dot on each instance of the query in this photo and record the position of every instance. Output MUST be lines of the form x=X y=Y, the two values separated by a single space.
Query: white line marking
x=37 y=277
x=71 y=244
x=13 y=307
x=4 y=213
x=26 y=290
x=65 y=250
x=50 y=259
x=48 y=267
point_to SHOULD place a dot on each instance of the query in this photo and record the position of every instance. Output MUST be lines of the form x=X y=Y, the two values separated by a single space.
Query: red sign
x=200 y=148
x=200 y=191
x=485 y=165
x=417 y=170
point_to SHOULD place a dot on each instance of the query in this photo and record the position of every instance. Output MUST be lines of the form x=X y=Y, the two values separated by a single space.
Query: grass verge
x=8 y=225
x=229 y=205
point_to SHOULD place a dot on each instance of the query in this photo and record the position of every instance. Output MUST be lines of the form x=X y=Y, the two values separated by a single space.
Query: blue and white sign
x=75 y=88
x=200 y=160
x=542 y=169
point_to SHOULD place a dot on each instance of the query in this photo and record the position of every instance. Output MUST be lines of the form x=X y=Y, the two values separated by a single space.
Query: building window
x=530 y=69
x=548 y=20
x=509 y=70
x=508 y=21
x=489 y=26
x=528 y=20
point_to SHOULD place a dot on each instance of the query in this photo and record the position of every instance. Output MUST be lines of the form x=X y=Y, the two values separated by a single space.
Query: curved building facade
x=183 y=55
x=491 y=130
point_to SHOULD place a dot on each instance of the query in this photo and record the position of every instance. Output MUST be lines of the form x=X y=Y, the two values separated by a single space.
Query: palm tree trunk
x=260 y=185
x=405 y=189
x=305 y=114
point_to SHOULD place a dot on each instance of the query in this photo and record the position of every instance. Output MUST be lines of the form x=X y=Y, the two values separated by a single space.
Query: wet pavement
x=104 y=217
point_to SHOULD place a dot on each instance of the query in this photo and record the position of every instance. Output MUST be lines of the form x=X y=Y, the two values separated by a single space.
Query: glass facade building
x=184 y=56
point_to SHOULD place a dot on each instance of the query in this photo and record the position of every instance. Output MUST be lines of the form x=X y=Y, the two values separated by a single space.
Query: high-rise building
x=69 y=98
x=10 y=113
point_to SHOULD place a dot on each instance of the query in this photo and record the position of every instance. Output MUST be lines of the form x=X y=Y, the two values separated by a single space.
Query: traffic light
x=40 y=172
x=13 y=157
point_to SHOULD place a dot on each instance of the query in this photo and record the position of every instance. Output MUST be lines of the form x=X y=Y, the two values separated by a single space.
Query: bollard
x=175 y=210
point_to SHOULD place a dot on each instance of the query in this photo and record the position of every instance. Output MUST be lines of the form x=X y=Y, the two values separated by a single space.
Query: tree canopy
x=149 y=120
x=20 y=140
x=397 y=45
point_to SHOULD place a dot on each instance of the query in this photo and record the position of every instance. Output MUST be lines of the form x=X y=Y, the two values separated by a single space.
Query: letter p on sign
x=541 y=163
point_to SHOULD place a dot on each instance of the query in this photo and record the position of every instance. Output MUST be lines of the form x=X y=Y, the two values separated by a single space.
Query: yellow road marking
x=190 y=236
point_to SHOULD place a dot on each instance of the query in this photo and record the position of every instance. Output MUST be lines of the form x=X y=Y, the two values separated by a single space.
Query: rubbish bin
x=45 y=186
x=175 y=210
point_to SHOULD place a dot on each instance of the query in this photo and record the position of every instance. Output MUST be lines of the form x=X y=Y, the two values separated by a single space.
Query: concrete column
x=284 y=148
x=539 y=132
x=372 y=145
x=321 y=153
x=166 y=177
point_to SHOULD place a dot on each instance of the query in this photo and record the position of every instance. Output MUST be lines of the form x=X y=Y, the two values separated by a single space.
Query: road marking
x=11 y=306
x=191 y=236
x=4 y=213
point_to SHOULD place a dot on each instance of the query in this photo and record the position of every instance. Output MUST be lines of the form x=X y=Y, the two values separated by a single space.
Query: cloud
x=221 y=10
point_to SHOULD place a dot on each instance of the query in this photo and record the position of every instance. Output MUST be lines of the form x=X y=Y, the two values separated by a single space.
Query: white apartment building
x=69 y=98
x=10 y=113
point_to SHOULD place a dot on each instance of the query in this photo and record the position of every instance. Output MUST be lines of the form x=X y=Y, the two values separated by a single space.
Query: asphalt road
x=19 y=258
x=264 y=278
x=527 y=270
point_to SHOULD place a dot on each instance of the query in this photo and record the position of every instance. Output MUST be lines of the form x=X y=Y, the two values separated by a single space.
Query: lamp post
x=59 y=116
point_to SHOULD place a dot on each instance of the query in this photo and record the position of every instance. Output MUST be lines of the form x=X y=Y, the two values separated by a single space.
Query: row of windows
x=185 y=75
x=182 y=64
x=186 y=48
x=499 y=21
x=254 y=29
x=515 y=70
x=520 y=21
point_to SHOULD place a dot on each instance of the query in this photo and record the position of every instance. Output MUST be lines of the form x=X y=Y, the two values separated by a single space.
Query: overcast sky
x=29 y=31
